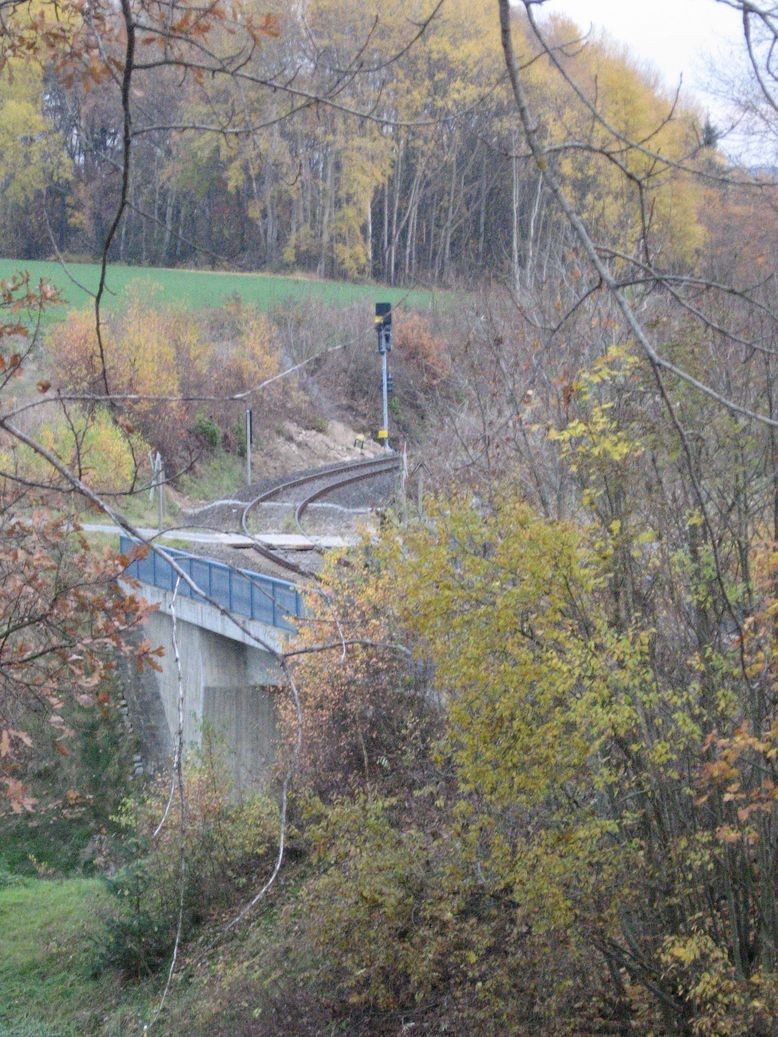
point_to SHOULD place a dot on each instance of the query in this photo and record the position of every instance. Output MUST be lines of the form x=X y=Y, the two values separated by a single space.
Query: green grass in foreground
x=199 y=289
x=46 y=952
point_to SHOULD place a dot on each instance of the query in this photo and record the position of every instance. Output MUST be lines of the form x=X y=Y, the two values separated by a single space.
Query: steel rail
x=384 y=464
x=331 y=487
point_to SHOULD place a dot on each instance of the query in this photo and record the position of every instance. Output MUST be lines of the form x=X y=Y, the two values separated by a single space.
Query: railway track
x=334 y=477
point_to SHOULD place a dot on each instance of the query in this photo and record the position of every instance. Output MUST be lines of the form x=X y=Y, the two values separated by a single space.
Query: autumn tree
x=34 y=158
x=599 y=816
x=579 y=750
x=62 y=616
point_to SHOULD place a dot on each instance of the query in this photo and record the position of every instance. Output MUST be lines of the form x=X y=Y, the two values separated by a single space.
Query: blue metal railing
x=245 y=593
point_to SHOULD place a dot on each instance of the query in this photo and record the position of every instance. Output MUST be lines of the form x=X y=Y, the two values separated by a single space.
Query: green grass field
x=200 y=289
x=46 y=984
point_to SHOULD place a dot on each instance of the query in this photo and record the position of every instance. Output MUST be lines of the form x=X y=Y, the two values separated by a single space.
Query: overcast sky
x=689 y=38
x=676 y=36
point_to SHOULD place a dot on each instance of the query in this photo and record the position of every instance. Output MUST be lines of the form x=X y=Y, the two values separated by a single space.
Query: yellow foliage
x=30 y=155
x=155 y=358
x=91 y=446
x=143 y=359
x=637 y=138
x=724 y=1004
x=252 y=357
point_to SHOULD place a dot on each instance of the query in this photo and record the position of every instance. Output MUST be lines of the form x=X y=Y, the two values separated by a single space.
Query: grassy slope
x=47 y=929
x=195 y=289
x=46 y=990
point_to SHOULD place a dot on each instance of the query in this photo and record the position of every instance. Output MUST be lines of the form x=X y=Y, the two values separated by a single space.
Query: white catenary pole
x=249 y=432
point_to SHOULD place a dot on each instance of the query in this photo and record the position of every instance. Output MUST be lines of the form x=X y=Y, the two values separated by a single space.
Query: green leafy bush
x=7 y=877
x=207 y=430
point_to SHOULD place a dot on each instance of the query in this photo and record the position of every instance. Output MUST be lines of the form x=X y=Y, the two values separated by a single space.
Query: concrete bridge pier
x=230 y=687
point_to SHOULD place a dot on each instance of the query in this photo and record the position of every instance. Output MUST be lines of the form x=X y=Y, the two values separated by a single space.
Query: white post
x=160 y=495
x=249 y=432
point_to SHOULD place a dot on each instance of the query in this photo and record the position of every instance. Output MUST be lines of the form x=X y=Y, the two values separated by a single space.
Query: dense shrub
x=391 y=930
x=76 y=789
x=207 y=430
x=366 y=721
x=164 y=355
x=92 y=445
x=424 y=353
x=225 y=842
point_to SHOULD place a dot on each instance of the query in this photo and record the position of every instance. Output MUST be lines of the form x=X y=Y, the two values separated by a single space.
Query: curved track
x=331 y=487
x=337 y=476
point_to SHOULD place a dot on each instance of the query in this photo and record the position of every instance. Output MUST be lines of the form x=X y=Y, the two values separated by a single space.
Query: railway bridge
x=229 y=679
x=227 y=634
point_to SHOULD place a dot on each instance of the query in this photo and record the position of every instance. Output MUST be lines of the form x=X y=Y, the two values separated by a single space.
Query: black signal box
x=383 y=324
